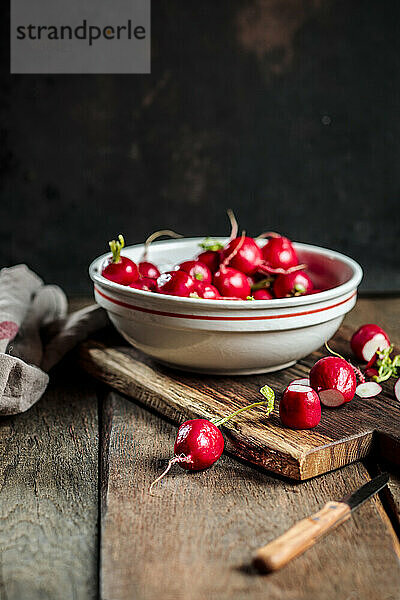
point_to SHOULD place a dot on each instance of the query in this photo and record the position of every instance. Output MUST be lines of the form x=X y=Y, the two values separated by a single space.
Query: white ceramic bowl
x=228 y=336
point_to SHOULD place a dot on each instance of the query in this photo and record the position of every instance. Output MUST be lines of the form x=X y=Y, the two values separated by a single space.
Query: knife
x=306 y=532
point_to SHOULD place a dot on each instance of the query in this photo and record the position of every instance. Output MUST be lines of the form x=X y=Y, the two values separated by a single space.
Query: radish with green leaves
x=199 y=442
x=120 y=269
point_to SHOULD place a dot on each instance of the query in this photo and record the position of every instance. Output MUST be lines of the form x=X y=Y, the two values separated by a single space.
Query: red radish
x=371 y=372
x=242 y=253
x=397 y=389
x=199 y=442
x=211 y=258
x=207 y=291
x=300 y=407
x=147 y=269
x=302 y=381
x=176 y=283
x=231 y=282
x=292 y=284
x=262 y=295
x=202 y=436
x=331 y=398
x=368 y=390
x=333 y=373
x=367 y=340
x=120 y=269
x=279 y=252
x=197 y=270
x=146 y=284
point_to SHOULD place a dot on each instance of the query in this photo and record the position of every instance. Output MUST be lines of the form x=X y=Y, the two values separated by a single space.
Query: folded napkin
x=35 y=334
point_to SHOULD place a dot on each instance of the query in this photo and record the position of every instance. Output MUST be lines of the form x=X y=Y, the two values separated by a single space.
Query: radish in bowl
x=225 y=335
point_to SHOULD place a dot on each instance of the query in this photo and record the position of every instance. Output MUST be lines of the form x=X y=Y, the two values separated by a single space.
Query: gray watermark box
x=80 y=36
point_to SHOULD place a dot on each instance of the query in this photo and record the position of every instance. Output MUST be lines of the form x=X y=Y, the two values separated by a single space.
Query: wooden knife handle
x=300 y=537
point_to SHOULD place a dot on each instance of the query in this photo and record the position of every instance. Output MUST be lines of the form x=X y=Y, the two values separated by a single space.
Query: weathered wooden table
x=76 y=520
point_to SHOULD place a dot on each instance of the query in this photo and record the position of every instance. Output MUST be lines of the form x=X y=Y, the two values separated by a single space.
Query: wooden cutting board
x=344 y=435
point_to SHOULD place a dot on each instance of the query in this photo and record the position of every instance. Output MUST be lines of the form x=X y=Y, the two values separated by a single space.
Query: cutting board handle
x=300 y=537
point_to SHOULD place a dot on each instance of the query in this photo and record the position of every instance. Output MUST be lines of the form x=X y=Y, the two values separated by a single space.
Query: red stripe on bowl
x=209 y=318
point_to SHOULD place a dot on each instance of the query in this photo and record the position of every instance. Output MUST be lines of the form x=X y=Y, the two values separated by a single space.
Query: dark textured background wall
x=285 y=110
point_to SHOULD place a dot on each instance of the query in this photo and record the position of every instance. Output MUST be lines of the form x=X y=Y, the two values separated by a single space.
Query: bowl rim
x=340 y=290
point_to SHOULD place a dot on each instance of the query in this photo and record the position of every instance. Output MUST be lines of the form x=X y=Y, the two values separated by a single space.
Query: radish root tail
x=234 y=252
x=171 y=462
x=234 y=224
x=155 y=236
x=265 y=268
x=268 y=234
x=359 y=374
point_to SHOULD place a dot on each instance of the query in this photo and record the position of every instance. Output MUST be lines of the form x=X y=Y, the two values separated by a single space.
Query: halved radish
x=367 y=340
x=331 y=398
x=333 y=373
x=303 y=381
x=397 y=389
x=368 y=389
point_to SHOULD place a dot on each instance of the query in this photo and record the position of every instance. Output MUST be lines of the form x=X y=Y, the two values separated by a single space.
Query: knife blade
x=355 y=499
x=306 y=532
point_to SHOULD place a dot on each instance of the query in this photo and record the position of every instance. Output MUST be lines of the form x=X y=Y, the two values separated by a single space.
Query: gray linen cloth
x=35 y=334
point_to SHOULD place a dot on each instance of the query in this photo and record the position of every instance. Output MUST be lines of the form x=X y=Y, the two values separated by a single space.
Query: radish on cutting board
x=367 y=340
x=300 y=407
x=333 y=374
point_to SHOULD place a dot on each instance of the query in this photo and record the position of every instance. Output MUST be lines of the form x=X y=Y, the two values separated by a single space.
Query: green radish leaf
x=211 y=244
x=269 y=394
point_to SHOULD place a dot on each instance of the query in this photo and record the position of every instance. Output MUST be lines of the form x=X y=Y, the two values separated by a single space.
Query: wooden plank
x=342 y=436
x=196 y=538
x=48 y=496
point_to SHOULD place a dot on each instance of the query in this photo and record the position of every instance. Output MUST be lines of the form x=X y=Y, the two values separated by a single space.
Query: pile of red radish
x=371 y=344
x=332 y=380
x=240 y=270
